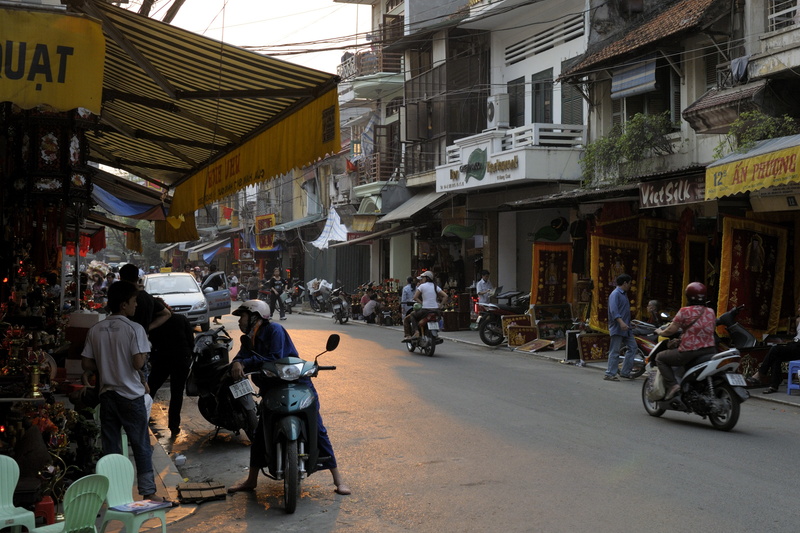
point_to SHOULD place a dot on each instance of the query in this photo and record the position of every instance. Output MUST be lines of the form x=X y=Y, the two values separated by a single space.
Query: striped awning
x=176 y=104
x=639 y=77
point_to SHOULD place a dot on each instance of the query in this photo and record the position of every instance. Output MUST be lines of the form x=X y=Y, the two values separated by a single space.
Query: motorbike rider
x=698 y=323
x=426 y=294
x=272 y=342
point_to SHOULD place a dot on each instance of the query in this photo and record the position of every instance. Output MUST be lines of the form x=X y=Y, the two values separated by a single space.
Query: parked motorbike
x=428 y=338
x=288 y=413
x=223 y=402
x=709 y=388
x=340 y=305
x=738 y=336
x=490 y=321
x=299 y=292
x=319 y=295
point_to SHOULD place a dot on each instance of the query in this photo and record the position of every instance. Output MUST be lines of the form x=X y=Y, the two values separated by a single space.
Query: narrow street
x=488 y=440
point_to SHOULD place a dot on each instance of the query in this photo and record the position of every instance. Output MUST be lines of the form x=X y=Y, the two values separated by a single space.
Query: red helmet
x=696 y=292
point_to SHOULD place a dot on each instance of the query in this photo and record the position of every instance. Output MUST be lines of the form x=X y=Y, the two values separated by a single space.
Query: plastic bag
x=655 y=385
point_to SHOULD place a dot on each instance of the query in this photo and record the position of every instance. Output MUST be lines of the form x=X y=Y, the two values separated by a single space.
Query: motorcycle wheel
x=207 y=405
x=430 y=347
x=491 y=331
x=291 y=477
x=410 y=346
x=728 y=420
x=639 y=364
x=251 y=424
x=649 y=405
x=314 y=305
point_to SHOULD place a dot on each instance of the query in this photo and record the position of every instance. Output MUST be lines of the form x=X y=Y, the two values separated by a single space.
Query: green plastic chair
x=119 y=471
x=82 y=503
x=13 y=517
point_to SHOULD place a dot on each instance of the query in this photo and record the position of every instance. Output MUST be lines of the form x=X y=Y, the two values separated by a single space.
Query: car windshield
x=170 y=285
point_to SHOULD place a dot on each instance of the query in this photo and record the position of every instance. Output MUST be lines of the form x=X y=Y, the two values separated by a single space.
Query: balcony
x=532 y=153
x=368 y=62
x=780 y=47
x=376 y=167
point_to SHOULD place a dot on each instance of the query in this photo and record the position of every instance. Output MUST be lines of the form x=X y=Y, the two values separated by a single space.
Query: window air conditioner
x=497 y=111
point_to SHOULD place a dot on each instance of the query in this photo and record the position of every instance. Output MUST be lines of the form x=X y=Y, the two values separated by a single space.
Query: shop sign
x=668 y=192
x=52 y=59
x=480 y=170
x=753 y=173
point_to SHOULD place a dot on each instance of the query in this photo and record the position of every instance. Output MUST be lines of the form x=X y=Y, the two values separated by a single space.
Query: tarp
x=126 y=208
x=769 y=163
x=334 y=230
x=414 y=205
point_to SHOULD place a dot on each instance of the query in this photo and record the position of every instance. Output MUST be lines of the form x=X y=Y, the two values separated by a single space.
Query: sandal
x=769 y=390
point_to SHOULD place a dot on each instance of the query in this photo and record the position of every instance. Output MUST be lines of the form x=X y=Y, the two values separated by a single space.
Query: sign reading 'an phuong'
x=737 y=173
x=51 y=58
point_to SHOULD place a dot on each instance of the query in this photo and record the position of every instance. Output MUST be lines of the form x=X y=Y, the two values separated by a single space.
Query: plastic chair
x=119 y=471
x=794 y=366
x=10 y=516
x=82 y=503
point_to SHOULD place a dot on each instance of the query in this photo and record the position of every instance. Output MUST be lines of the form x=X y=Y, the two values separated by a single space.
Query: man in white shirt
x=427 y=294
x=484 y=287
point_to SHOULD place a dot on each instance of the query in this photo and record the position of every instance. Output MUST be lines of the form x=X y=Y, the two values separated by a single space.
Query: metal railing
x=375 y=167
x=366 y=62
x=783 y=14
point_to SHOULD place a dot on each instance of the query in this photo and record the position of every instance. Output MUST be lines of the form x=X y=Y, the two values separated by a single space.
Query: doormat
x=200 y=492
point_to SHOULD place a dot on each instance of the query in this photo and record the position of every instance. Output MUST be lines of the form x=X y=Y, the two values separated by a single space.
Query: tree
x=754 y=126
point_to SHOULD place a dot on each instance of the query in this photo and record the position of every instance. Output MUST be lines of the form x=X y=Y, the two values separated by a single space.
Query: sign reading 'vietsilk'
x=55 y=59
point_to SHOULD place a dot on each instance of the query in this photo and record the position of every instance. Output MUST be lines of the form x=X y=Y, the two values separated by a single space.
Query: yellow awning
x=770 y=163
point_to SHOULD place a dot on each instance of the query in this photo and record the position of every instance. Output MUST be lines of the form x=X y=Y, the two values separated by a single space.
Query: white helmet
x=256 y=307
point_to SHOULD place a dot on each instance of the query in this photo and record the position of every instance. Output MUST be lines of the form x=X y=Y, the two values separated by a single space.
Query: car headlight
x=289 y=372
x=200 y=305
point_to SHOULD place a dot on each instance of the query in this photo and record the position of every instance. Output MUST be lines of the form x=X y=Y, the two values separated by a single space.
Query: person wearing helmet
x=427 y=294
x=272 y=342
x=698 y=323
x=619 y=327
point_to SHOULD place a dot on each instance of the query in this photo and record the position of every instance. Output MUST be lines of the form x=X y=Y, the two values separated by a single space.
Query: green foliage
x=752 y=127
x=627 y=150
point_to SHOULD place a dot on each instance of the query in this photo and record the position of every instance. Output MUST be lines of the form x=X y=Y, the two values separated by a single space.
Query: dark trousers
x=118 y=413
x=174 y=367
x=778 y=354
x=669 y=358
x=275 y=301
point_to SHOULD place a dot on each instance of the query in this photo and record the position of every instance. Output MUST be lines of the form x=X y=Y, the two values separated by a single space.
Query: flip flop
x=770 y=390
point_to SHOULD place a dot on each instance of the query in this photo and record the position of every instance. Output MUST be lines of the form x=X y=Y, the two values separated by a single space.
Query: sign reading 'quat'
x=51 y=58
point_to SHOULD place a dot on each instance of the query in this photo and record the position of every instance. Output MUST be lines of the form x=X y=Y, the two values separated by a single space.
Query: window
x=516 y=102
x=783 y=14
x=664 y=95
x=542 y=85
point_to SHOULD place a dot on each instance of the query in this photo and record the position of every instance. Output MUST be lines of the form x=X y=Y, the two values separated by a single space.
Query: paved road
x=484 y=440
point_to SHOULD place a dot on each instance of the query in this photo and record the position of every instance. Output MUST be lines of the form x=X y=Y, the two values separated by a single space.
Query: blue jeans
x=116 y=413
x=613 y=354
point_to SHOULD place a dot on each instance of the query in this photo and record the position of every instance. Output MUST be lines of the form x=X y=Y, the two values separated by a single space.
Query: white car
x=184 y=295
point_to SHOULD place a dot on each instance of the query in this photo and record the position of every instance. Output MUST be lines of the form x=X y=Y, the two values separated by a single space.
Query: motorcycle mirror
x=247 y=342
x=333 y=342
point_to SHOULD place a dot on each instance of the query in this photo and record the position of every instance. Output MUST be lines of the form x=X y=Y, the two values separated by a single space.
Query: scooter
x=490 y=319
x=709 y=388
x=428 y=337
x=319 y=294
x=340 y=305
x=223 y=402
x=288 y=411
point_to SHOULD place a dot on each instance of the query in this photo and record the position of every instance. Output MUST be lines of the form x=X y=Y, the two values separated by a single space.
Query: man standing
x=407 y=296
x=116 y=350
x=149 y=313
x=619 y=327
x=484 y=288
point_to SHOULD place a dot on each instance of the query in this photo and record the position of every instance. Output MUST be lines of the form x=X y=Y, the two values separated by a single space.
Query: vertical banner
x=663 y=280
x=264 y=241
x=551 y=280
x=752 y=271
x=610 y=258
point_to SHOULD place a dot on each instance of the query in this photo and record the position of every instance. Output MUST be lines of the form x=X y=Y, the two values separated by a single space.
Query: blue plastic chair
x=82 y=503
x=119 y=471
x=794 y=366
x=12 y=517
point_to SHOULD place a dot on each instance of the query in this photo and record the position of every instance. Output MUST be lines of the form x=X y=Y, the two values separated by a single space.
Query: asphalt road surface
x=481 y=440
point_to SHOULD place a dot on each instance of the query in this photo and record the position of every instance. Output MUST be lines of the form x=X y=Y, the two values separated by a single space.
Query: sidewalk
x=168 y=477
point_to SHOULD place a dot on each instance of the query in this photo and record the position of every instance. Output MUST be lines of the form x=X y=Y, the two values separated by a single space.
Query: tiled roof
x=682 y=16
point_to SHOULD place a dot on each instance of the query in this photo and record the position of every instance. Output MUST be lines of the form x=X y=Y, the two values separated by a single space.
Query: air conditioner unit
x=497 y=111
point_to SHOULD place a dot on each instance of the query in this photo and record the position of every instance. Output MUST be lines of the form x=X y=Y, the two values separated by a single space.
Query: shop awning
x=718 y=108
x=208 y=118
x=769 y=163
x=414 y=205
x=681 y=18
x=295 y=224
x=377 y=234
x=637 y=78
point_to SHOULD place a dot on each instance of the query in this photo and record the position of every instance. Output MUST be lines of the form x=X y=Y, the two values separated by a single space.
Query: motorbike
x=428 y=337
x=340 y=305
x=221 y=401
x=298 y=292
x=490 y=321
x=710 y=388
x=289 y=416
x=319 y=295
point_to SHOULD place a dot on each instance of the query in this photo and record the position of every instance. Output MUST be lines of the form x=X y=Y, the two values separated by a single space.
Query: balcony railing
x=543 y=135
x=375 y=167
x=368 y=62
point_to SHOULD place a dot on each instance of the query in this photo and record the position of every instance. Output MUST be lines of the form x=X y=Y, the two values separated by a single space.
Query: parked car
x=186 y=296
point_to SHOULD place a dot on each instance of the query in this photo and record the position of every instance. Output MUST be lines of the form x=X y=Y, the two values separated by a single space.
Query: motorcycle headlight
x=289 y=372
